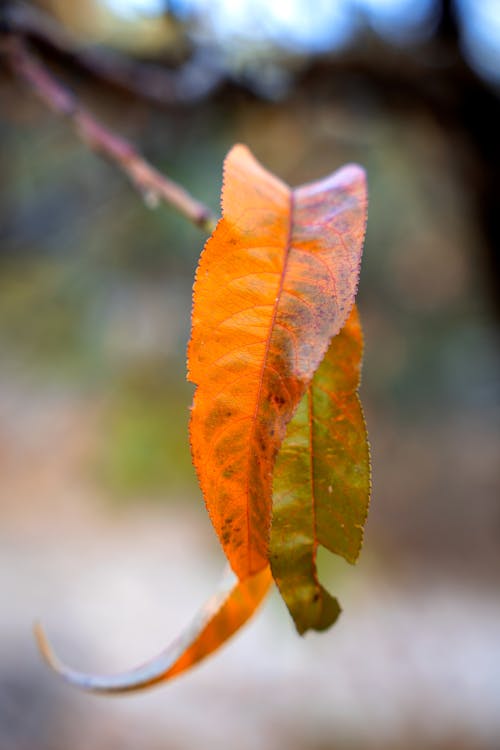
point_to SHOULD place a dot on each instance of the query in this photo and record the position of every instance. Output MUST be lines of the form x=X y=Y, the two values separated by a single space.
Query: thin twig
x=192 y=81
x=152 y=185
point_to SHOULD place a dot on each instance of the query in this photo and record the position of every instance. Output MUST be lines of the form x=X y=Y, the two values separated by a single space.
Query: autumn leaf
x=275 y=282
x=274 y=293
x=321 y=483
x=222 y=615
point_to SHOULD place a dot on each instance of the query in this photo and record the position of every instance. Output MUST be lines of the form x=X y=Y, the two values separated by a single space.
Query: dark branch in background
x=478 y=109
x=434 y=78
x=153 y=185
x=192 y=81
x=439 y=82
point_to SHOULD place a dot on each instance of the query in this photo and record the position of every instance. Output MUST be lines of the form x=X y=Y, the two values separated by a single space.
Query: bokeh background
x=103 y=533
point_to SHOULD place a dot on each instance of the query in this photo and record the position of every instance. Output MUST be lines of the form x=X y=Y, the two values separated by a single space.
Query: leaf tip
x=352 y=172
x=45 y=649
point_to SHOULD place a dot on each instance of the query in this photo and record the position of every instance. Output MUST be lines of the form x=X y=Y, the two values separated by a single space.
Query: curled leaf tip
x=232 y=604
x=77 y=679
x=44 y=646
x=82 y=680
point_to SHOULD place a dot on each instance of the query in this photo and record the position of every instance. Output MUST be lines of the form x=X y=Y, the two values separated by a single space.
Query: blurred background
x=103 y=532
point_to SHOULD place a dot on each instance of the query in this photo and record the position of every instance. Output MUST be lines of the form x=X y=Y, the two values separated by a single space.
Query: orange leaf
x=275 y=282
x=223 y=614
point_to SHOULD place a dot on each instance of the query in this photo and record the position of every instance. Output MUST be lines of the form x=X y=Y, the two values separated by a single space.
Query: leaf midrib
x=258 y=400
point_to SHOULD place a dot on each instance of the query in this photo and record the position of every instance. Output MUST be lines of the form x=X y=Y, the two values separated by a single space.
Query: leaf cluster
x=277 y=432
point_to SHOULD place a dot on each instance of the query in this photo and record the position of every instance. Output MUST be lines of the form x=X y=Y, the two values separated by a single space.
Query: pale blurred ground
x=413 y=662
x=103 y=533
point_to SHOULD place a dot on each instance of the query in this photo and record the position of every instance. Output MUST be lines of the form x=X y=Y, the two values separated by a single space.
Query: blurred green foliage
x=144 y=447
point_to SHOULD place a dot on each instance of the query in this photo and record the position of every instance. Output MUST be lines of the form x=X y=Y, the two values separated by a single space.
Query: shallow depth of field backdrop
x=103 y=532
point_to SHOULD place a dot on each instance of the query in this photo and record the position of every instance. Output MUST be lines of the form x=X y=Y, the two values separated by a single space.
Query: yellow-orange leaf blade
x=275 y=282
x=223 y=614
x=321 y=482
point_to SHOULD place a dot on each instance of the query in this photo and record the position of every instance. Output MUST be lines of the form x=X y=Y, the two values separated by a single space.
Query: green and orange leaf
x=275 y=282
x=321 y=485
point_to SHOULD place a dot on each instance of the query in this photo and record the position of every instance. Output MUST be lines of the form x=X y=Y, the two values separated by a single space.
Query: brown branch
x=193 y=80
x=152 y=185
